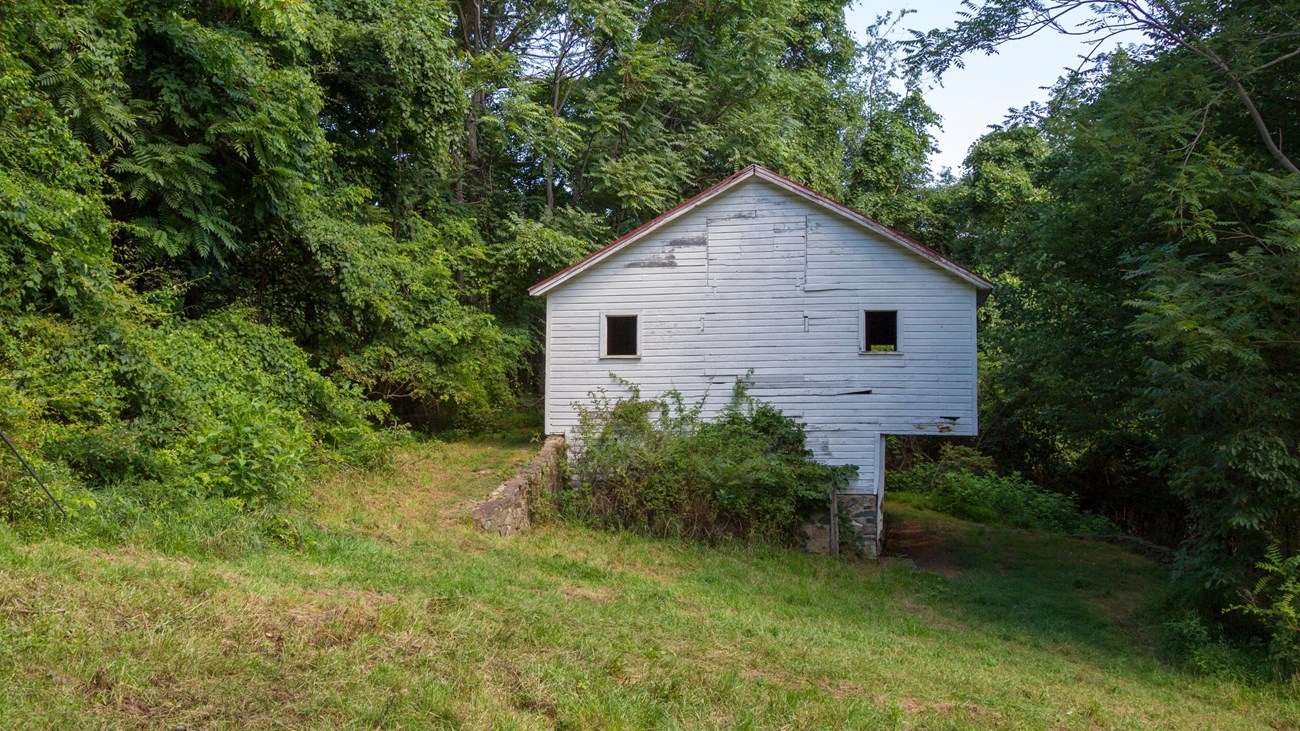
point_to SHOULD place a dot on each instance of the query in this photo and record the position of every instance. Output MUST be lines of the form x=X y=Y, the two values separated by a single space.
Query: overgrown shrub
x=962 y=483
x=1189 y=641
x=1275 y=602
x=152 y=410
x=657 y=465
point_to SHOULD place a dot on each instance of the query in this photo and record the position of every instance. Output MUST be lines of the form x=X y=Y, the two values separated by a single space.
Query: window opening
x=880 y=331
x=620 y=335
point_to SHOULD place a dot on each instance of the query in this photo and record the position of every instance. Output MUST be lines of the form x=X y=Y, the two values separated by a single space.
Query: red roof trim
x=760 y=171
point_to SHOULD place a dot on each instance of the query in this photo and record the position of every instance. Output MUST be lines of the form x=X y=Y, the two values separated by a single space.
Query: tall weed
x=1275 y=602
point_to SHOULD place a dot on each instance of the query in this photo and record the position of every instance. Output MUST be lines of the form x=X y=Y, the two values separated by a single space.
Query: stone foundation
x=509 y=509
x=863 y=516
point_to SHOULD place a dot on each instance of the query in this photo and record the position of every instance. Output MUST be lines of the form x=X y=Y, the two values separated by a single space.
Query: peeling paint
x=685 y=241
x=737 y=216
x=657 y=260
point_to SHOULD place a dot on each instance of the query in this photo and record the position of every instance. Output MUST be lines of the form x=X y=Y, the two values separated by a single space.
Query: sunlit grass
x=399 y=615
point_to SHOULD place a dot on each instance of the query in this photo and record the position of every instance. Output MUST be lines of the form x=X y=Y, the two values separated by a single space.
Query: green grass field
x=400 y=615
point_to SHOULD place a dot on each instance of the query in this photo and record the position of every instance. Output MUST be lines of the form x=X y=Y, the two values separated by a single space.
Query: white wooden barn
x=847 y=325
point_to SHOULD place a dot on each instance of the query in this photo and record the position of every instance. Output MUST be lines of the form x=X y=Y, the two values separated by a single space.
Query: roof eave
x=984 y=286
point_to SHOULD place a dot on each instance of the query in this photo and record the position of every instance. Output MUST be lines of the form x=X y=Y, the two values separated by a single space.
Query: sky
x=981 y=94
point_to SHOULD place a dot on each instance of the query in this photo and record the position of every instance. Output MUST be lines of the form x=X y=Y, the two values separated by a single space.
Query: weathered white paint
x=761 y=277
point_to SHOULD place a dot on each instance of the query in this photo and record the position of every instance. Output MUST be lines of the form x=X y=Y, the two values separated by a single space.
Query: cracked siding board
x=765 y=281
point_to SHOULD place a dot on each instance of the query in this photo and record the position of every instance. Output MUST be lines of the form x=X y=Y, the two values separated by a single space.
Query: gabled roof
x=756 y=171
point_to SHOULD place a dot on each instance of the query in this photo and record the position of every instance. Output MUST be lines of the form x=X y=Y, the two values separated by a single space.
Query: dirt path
x=917 y=542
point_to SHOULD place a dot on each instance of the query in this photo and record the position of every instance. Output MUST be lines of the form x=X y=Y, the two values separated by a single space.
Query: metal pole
x=32 y=472
x=835 y=523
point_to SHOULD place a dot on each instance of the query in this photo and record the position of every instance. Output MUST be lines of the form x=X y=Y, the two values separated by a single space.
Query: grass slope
x=402 y=616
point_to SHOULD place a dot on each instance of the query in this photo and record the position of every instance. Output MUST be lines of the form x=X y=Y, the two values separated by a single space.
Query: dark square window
x=620 y=335
x=880 y=331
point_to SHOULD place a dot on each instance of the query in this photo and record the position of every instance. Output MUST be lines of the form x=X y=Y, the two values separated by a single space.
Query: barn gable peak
x=751 y=172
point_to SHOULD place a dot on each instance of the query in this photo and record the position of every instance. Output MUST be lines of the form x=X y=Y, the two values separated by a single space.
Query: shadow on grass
x=1071 y=597
x=1048 y=589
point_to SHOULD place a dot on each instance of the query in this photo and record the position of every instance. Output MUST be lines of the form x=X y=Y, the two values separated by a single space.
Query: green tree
x=1151 y=333
x=888 y=157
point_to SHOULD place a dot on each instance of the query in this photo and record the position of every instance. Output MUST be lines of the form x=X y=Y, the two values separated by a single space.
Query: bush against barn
x=655 y=465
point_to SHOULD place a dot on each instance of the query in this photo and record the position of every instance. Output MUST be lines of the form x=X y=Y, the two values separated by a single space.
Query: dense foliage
x=964 y=483
x=1144 y=346
x=106 y=387
x=656 y=465
x=237 y=236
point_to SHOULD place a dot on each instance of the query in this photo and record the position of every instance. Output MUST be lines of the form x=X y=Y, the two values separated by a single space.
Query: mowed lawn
x=400 y=615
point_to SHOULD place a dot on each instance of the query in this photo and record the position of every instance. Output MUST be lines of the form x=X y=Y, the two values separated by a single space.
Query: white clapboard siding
x=763 y=284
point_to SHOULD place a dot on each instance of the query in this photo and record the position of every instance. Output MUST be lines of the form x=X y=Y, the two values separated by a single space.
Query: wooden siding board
x=763 y=280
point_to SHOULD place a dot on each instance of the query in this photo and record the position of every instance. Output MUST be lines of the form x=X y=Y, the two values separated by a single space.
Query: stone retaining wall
x=508 y=510
x=865 y=519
